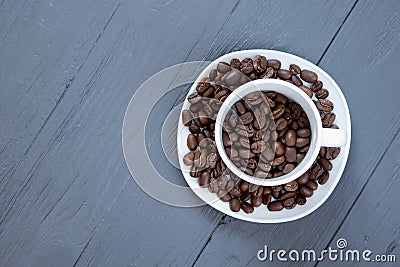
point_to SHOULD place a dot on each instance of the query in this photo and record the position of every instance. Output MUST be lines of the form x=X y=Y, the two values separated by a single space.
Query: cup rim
x=298 y=170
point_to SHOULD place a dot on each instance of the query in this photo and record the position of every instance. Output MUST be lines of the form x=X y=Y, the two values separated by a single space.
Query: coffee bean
x=203 y=85
x=254 y=98
x=290 y=154
x=234 y=204
x=274 y=63
x=213 y=74
x=279 y=160
x=266 y=199
x=256 y=201
x=316 y=86
x=284 y=74
x=226 y=140
x=246 y=66
x=326 y=164
x=291 y=186
x=192 y=142
x=287 y=195
x=306 y=90
x=187 y=117
x=258 y=147
x=309 y=76
x=279 y=148
x=235 y=63
x=235 y=192
x=322 y=93
x=204 y=179
x=275 y=206
x=290 y=138
x=304 y=178
x=223 y=67
x=294 y=69
x=312 y=184
x=306 y=191
x=301 y=142
x=324 y=105
x=232 y=77
x=332 y=153
x=260 y=64
x=289 y=203
x=323 y=178
x=278 y=112
x=328 y=120
x=223 y=195
x=269 y=73
x=301 y=200
x=296 y=80
x=288 y=168
x=213 y=186
x=281 y=124
x=247 y=208
x=188 y=158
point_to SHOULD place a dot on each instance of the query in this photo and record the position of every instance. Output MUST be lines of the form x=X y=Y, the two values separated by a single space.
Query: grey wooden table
x=67 y=72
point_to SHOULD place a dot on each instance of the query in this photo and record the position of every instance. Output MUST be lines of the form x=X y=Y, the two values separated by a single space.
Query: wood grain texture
x=66 y=195
x=373 y=223
x=366 y=75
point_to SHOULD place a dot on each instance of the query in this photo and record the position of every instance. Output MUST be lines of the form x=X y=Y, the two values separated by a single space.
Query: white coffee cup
x=320 y=136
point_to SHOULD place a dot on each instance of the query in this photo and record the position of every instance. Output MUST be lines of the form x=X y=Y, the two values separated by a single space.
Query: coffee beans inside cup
x=289 y=140
x=266 y=135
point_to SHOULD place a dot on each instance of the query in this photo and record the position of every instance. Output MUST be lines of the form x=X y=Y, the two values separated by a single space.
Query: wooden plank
x=72 y=183
x=377 y=209
x=363 y=60
x=176 y=236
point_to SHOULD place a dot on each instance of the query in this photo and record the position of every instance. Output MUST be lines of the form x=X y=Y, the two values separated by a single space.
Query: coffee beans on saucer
x=251 y=143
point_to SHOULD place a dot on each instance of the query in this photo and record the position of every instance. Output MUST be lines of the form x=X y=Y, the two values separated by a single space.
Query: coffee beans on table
x=265 y=135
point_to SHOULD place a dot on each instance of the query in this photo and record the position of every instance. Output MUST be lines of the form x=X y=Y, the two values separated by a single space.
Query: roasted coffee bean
x=290 y=138
x=332 y=153
x=213 y=186
x=247 y=208
x=223 y=67
x=290 y=154
x=278 y=112
x=284 y=74
x=254 y=98
x=326 y=164
x=192 y=142
x=323 y=178
x=235 y=192
x=309 y=76
x=234 y=204
x=301 y=142
x=288 y=168
x=281 y=124
x=269 y=73
x=188 y=158
x=303 y=122
x=294 y=69
x=266 y=199
x=194 y=172
x=204 y=179
x=301 y=200
x=203 y=85
x=324 y=105
x=328 y=120
x=289 y=203
x=232 y=77
x=291 y=186
x=312 y=184
x=267 y=155
x=258 y=147
x=304 y=178
x=306 y=90
x=256 y=201
x=274 y=63
x=223 y=195
x=316 y=171
x=235 y=63
x=322 y=93
x=280 y=98
x=187 y=117
x=279 y=160
x=213 y=74
x=306 y=191
x=275 y=206
x=194 y=129
x=279 y=148
x=226 y=140
x=316 y=86
x=303 y=132
x=260 y=64
x=246 y=66
x=296 y=80
x=287 y=195
x=244 y=186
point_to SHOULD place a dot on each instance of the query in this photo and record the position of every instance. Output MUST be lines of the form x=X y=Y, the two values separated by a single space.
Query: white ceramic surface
x=261 y=214
x=319 y=136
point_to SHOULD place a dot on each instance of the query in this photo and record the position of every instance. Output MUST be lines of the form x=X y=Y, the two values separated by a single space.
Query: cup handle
x=333 y=137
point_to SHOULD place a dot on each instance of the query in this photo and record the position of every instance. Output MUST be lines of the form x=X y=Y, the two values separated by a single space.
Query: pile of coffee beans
x=205 y=162
x=266 y=135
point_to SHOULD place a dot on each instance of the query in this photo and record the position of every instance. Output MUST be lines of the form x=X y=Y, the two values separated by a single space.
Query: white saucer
x=262 y=214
